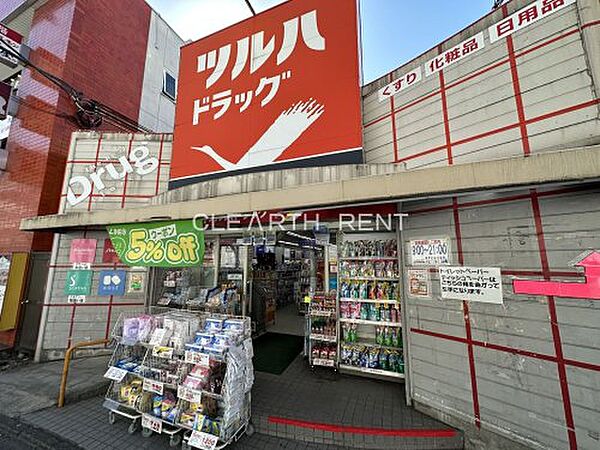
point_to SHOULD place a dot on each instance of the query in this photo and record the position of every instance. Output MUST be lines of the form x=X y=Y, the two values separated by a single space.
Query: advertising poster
x=79 y=282
x=136 y=282
x=83 y=251
x=158 y=244
x=109 y=255
x=419 y=283
x=112 y=282
x=474 y=284
x=286 y=80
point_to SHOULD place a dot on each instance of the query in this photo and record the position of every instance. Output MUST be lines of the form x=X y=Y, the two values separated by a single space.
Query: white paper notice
x=474 y=284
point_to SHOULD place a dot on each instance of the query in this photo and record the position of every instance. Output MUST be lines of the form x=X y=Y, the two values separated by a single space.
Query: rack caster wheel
x=175 y=440
x=250 y=429
x=133 y=427
x=112 y=417
x=147 y=432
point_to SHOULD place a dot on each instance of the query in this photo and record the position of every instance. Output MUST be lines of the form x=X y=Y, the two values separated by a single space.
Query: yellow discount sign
x=159 y=244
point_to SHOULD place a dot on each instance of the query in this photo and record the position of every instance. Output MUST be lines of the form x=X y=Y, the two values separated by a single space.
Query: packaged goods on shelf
x=323 y=328
x=370 y=248
x=372 y=312
x=190 y=371
x=370 y=305
x=367 y=290
x=367 y=357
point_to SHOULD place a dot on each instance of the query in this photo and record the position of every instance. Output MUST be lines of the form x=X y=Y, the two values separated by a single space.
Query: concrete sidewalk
x=299 y=409
x=34 y=387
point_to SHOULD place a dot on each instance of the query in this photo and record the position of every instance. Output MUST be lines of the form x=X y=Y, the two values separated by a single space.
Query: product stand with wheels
x=183 y=372
x=323 y=330
x=370 y=305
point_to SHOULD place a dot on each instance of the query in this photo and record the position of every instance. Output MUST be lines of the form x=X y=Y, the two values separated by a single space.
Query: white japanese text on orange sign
x=259 y=52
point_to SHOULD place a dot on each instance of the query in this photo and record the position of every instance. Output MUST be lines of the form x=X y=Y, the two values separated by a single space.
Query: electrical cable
x=250 y=6
x=90 y=112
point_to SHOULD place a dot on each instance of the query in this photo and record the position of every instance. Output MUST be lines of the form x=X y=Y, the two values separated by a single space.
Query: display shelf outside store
x=323 y=337
x=371 y=344
x=349 y=278
x=368 y=258
x=331 y=315
x=371 y=322
x=367 y=370
x=381 y=301
x=386 y=263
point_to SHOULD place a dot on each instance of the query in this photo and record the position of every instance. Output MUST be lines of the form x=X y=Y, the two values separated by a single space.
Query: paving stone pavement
x=299 y=393
x=85 y=423
x=324 y=396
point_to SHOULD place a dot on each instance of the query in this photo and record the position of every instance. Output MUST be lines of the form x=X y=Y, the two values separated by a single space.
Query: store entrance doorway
x=284 y=276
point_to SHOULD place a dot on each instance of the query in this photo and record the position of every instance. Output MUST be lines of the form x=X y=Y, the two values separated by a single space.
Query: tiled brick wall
x=68 y=38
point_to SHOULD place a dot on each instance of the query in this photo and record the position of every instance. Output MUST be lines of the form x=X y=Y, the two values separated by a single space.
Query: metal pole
x=250 y=6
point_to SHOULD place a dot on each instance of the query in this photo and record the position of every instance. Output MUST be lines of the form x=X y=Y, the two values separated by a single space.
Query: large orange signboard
x=278 y=90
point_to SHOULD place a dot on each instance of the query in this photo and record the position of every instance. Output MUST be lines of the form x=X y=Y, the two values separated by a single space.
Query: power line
x=90 y=112
x=250 y=6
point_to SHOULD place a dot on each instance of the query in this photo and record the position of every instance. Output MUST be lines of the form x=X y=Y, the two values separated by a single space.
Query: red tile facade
x=99 y=48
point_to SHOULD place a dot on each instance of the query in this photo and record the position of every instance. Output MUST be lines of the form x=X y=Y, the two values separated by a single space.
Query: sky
x=393 y=31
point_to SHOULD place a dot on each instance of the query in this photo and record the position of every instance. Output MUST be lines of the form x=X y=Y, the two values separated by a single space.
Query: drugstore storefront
x=289 y=282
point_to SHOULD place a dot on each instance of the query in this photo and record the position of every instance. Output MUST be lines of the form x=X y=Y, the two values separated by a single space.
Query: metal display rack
x=191 y=377
x=323 y=330
x=369 y=306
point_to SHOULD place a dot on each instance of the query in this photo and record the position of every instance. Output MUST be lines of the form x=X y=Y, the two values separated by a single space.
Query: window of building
x=170 y=85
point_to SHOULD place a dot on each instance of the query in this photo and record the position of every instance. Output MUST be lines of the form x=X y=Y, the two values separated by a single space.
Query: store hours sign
x=430 y=252
x=475 y=284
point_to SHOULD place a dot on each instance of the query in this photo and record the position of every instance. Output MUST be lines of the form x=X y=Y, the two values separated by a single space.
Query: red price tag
x=203 y=441
x=189 y=394
x=202 y=359
x=153 y=386
x=152 y=423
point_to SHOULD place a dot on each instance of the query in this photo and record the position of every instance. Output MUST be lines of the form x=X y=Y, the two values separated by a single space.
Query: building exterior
x=490 y=143
x=69 y=39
